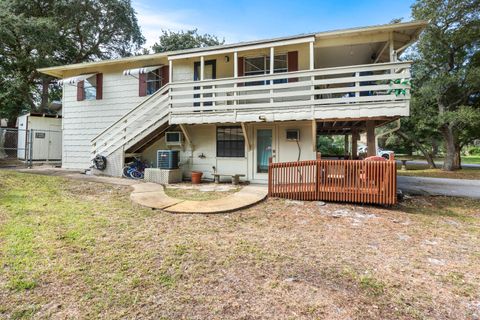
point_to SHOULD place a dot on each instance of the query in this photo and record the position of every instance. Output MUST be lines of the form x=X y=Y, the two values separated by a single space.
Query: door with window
x=264 y=149
x=209 y=72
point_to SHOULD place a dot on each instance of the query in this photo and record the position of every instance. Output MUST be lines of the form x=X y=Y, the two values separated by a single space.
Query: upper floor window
x=90 y=88
x=261 y=65
x=154 y=81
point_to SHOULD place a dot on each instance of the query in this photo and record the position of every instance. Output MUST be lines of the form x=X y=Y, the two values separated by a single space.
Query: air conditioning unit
x=173 y=138
x=293 y=135
x=168 y=159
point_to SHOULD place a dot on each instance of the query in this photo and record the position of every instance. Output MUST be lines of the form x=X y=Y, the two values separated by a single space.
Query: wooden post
x=371 y=147
x=345 y=147
x=354 y=144
x=270 y=177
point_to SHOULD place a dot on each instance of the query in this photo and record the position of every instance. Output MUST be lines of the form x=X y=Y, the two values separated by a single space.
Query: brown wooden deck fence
x=357 y=181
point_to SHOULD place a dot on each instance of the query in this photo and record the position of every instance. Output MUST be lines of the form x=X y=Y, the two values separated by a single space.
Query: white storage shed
x=40 y=137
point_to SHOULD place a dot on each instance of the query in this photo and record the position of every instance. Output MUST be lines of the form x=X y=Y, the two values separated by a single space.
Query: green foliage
x=172 y=41
x=47 y=33
x=446 y=78
x=399 y=91
x=331 y=145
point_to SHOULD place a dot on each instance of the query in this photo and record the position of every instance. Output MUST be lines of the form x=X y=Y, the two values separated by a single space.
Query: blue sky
x=242 y=20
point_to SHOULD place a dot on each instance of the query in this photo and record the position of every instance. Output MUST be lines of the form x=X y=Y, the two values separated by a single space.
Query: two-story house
x=237 y=105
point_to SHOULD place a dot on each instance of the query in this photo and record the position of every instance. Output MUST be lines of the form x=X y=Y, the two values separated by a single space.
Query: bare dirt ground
x=78 y=249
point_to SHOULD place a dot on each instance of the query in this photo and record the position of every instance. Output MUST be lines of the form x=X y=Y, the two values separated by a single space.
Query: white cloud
x=152 y=21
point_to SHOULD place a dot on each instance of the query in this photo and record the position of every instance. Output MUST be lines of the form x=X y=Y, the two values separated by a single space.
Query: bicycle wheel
x=135 y=174
x=125 y=172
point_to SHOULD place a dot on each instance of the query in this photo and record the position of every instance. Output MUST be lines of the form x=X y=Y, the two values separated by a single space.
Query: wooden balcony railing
x=371 y=83
x=357 y=181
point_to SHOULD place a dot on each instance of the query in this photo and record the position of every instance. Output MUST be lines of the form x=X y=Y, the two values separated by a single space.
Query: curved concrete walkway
x=152 y=195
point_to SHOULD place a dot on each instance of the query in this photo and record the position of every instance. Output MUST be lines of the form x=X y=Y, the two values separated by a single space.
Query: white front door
x=264 y=149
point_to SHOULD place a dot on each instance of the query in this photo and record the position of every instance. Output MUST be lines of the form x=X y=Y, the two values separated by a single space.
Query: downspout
x=397 y=127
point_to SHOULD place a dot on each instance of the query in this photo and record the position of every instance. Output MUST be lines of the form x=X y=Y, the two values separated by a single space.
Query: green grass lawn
x=72 y=249
x=423 y=171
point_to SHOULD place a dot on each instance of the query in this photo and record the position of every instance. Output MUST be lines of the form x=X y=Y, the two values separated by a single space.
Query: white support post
x=312 y=57
x=235 y=64
x=393 y=54
x=245 y=135
x=202 y=75
x=312 y=78
x=272 y=69
x=314 y=135
x=357 y=84
x=170 y=80
x=187 y=136
x=235 y=75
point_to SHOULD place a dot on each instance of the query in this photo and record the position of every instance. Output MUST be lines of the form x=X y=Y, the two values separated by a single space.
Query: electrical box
x=293 y=135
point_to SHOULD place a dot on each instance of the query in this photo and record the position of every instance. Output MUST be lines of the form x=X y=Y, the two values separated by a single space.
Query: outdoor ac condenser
x=168 y=159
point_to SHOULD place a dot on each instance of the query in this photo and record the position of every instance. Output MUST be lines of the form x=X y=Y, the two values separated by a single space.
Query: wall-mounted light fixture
x=262 y=118
x=227 y=58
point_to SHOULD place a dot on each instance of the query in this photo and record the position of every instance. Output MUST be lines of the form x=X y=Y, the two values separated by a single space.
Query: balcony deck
x=371 y=90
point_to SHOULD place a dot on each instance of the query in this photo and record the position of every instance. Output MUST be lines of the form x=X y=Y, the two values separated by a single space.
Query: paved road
x=440 y=163
x=439 y=186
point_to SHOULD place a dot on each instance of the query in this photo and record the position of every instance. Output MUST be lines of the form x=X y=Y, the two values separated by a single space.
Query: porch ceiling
x=347 y=126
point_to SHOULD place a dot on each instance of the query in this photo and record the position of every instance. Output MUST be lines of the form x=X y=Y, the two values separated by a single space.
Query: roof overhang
x=406 y=33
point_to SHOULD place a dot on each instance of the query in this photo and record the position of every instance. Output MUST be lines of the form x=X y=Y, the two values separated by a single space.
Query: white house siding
x=83 y=120
x=203 y=157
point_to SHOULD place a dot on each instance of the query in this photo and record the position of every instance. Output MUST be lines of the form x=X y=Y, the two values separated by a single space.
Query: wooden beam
x=187 y=136
x=380 y=53
x=371 y=147
x=354 y=154
x=345 y=146
x=245 y=135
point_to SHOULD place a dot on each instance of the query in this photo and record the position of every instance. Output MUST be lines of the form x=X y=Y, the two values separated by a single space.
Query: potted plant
x=197 y=177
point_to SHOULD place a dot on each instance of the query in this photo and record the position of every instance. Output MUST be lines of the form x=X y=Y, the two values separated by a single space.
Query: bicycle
x=135 y=169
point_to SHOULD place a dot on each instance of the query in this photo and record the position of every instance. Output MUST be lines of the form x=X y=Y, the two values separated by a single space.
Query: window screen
x=154 y=82
x=230 y=142
x=90 y=88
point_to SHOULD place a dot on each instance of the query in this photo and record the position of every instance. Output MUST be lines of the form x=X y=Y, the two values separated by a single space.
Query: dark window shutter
x=80 y=91
x=142 y=85
x=99 y=90
x=292 y=64
x=165 y=75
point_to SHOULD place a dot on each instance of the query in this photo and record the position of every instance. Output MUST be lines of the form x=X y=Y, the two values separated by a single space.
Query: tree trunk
x=428 y=156
x=457 y=161
x=44 y=96
x=449 y=162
